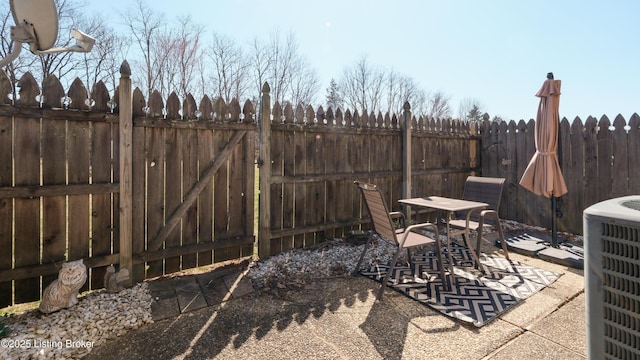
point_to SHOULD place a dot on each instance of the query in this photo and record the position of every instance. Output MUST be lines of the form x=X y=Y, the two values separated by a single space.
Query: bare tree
x=392 y=84
x=63 y=65
x=188 y=53
x=164 y=67
x=290 y=76
x=438 y=106
x=171 y=55
x=230 y=66
x=203 y=82
x=282 y=58
x=260 y=61
x=400 y=89
x=362 y=86
x=144 y=25
x=103 y=62
x=304 y=83
x=419 y=104
x=376 y=89
x=354 y=81
x=112 y=49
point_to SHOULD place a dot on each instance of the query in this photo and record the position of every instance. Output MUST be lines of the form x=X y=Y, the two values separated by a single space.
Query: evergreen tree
x=334 y=98
x=475 y=114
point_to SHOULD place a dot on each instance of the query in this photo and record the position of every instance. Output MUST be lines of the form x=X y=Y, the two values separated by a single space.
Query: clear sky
x=495 y=51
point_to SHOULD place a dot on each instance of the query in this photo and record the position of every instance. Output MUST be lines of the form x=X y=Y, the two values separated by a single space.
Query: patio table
x=450 y=205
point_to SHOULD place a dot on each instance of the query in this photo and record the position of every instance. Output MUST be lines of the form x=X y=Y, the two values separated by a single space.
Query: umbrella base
x=565 y=254
x=539 y=245
x=525 y=244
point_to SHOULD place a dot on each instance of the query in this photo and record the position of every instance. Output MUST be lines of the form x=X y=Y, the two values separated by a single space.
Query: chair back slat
x=484 y=189
x=378 y=211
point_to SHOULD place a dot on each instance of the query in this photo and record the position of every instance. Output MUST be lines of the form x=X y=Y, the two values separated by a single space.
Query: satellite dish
x=41 y=18
x=37 y=25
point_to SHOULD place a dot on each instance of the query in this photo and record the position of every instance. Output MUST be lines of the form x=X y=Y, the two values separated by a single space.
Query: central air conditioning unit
x=612 y=278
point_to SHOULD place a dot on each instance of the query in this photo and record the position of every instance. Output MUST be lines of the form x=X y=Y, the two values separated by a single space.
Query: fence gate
x=193 y=184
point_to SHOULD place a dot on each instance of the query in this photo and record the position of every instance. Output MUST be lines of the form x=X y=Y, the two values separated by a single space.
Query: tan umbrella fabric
x=543 y=175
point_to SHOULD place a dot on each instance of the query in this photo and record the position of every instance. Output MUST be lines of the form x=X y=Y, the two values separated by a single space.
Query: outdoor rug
x=474 y=298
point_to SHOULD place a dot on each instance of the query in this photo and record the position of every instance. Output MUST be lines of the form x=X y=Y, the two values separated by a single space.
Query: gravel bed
x=335 y=258
x=72 y=333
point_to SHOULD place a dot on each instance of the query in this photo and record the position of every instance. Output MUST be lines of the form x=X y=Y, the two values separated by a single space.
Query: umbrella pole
x=554 y=222
x=554 y=200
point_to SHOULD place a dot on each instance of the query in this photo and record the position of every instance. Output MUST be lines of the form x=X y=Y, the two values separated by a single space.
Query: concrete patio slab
x=340 y=318
x=164 y=305
x=572 y=337
x=565 y=254
x=190 y=297
x=531 y=346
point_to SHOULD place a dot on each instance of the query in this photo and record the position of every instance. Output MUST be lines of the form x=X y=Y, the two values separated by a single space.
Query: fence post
x=264 y=165
x=406 y=154
x=474 y=147
x=126 y=163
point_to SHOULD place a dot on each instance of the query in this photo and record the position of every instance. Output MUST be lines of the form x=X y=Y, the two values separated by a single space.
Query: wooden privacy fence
x=58 y=182
x=151 y=186
x=310 y=159
x=599 y=161
x=159 y=186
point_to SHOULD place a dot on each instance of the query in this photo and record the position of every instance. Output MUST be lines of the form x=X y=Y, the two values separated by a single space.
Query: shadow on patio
x=339 y=318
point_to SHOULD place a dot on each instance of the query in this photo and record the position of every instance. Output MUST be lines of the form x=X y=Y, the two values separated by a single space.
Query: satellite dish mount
x=37 y=25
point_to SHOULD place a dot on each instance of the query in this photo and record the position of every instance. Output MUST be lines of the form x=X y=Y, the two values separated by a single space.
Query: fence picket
x=139 y=195
x=100 y=97
x=101 y=211
x=52 y=92
x=54 y=207
x=620 y=159
x=220 y=205
x=155 y=167
x=289 y=155
x=634 y=151
x=190 y=174
x=6 y=205
x=28 y=91
x=27 y=210
x=78 y=95
x=604 y=156
x=6 y=88
x=173 y=182
x=79 y=136
x=205 y=201
x=236 y=189
x=277 y=169
x=205 y=108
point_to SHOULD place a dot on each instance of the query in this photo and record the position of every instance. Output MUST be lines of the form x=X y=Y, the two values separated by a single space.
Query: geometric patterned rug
x=473 y=298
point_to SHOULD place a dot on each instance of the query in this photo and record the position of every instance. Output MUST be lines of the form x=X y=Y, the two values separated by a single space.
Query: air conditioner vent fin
x=612 y=278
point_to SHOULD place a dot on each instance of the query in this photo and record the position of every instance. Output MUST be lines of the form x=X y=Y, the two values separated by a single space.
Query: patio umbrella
x=543 y=175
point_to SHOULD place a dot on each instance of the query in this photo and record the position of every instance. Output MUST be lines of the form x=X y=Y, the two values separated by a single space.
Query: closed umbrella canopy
x=543 y=175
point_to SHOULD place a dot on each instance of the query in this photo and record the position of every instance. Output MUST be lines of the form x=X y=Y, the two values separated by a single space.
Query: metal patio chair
x=487 y=190
x=404 y=238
